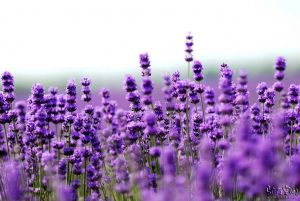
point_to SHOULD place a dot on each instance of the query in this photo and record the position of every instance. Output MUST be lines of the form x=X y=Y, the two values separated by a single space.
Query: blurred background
x=53 y=41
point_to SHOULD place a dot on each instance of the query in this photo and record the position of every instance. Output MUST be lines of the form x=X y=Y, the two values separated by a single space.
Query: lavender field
x=196 y=143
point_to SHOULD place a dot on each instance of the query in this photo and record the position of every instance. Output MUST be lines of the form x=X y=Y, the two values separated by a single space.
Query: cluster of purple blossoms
x=196 y=143
x=145 y=64
x=86 y=90
x=8 y=87
x=189 y=48
x=280 y=66
x=226 y=98
x=242 y=97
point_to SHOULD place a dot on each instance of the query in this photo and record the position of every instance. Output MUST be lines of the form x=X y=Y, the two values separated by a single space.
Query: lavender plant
x=190 y=145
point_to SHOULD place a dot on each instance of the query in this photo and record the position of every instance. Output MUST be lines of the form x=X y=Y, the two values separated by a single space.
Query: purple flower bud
x=62 y=168
x=270 y=97
x=197 y=120
x=209 y=96
x=147 y=86
x=285 y=104
x=243 y=78
x=280 y=64
x=181 y=88
x=279 y=75
x=189 y=44
x=144 y=61
x=150 y=120
x=53 y=90
x=86 y=90
x=155 y=151
x=223 y=144
x=278 y=86
x=175 y=76
x=193 y=93
x=189 y=57
x=225 y=109
x=89 y=109
x=8 y=86
x=71 y=96
x=105 y=94
x=37 y=92
x=226 y=121
x=7 y=81
x=158 y=110
x=77 y=168
x=130 y=84
x=255 y=109
x=260 y=89
x=293 y=94
x=198 y=68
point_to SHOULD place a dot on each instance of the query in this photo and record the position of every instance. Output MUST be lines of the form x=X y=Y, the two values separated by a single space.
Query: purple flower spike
x=280 y=64
x=86 y=90
x=8 y=86
x=278 y=86
x=37 y=96
x=260 y=89
x=293 y=94
x=198 y=68
x=150 y=120
x=144 y=61
x=145 y=65
x=189 y=48
x=129 y=84
x=71 y=96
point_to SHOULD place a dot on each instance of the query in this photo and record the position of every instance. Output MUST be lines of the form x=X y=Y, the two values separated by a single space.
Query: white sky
x=41 y=37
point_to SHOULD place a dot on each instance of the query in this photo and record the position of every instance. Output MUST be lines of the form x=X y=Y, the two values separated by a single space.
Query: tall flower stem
x=278 y=99
x=84 y=178
x=291 y=133
x=69 y=172
x=291 y=138
x=188 y=129
x=263 y=116
x=296 y=139
x=188 y=69
x=202 y=107
x=6 y=139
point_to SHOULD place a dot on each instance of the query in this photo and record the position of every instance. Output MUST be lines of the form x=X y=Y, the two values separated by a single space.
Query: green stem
x=202 y=106
x=69 y=171
x=263 y=114
x=279 y=99
x=188 y=70
x=225 y=132
x=84 y=180
x=291 y=138
x=15 y=131
x=291 y=134
x=6 y=139
x=188 y=125
x=56 y=132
